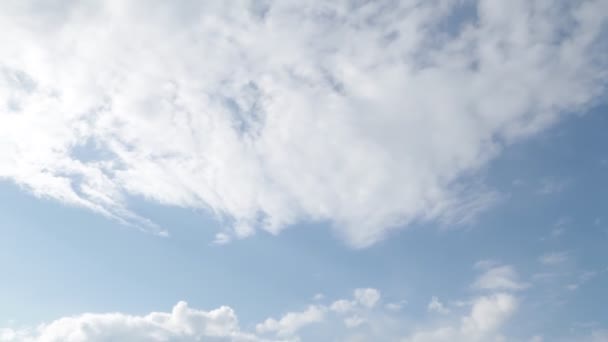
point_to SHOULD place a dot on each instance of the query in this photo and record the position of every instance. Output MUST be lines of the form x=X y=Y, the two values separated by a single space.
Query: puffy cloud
x=353 y=312
x=181 y=324
x=289 y=324
x=488 y=314
x=367 y=297
x=342 y=306
x=500 y=278
x=270 y=113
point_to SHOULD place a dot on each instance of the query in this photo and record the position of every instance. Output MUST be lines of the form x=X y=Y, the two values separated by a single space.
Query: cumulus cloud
x=488 y=314
x=289 y=324
x=182 y=324
x=353 y=312
x=368 y=115
x=362 y=298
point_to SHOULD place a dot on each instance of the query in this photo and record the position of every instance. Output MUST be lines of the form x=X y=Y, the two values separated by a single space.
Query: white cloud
x=354 y=321
x=182 y=324
x=269 y=113
x=289 y=324
x=342 y=306
x=362 y=298
x=488 y=314
x=499 y=278
x=367 y=297
x=395 y=306
x=318 y=297
x=436 y=306
x=483 y=323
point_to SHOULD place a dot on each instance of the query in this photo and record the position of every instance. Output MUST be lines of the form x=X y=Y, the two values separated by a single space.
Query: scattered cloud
x=584 y=277
x=485 y=264
x=436 y=306
x=318 y=297
x=289 y=324
x=342 y=306
x=483 y=323
x=367 y=297
x=353 y=321
x=555 y=258
x=274 y=117
x=551 y=186
x=500 y=278
x=558 y=229
x=395 y=306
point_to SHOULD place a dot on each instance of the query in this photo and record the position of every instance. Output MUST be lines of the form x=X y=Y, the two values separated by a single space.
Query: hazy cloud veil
x=363 y=114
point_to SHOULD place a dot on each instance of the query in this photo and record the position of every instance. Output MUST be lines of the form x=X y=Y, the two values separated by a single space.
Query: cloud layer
x=368 y=115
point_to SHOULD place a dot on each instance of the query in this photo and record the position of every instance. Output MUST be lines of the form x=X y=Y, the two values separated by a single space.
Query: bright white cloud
x=270 y=113
x=500 y=278
x=289 y=324
x=487 y=316
x=365 y=298
x=182 y=324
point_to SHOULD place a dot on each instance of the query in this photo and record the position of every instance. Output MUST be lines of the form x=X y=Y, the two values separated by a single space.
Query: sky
x=410 y=171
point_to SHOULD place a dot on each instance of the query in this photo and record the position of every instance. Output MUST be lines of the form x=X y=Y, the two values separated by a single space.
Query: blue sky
x=440 y=178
